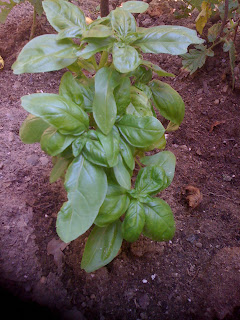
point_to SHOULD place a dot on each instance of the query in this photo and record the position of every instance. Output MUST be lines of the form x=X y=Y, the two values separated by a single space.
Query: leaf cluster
x=96 y=126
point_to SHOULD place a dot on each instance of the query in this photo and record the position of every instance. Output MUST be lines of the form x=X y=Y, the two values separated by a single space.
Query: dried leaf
x=194 y=196
x=56 y=247
x=1 y=63
x=203 y=16
x=215 y=124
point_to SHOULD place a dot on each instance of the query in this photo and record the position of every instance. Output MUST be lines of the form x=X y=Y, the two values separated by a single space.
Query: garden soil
x=194 y=276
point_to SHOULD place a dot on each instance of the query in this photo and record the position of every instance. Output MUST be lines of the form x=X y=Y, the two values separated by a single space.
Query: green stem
x=93 y=61
x=103 y=59
x=139 y=164
x=215 y=44
x=33 y=28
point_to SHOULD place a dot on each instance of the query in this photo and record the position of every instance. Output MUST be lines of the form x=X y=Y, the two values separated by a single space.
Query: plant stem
x=93 y=60
x=34 y=24
x=104 y=8
x=139 y=164
x=103 y=60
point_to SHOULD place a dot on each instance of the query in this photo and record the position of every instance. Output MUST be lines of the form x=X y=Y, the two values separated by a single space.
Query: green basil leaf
x=95 y=45
x=167 y=101
x=134 y=220
x=45 y=53
x=32 y=129
x=159 y=220
x=122 y=95
x=123 y=22
x=127 y=153
x=114 y=205
x=141 y=74
x=59 y=169
x=98 y=31
x=165 y=159
x=159 y=71
x=94 y=152
x=145 y=89
x=59 y=112
x=104 y=104
x=69 y=88
x=135 y=6
x=86 y=185
x=62 y=15
x=102 y=246
x=140 y=132
x=110 y=144
x=140 y=105
x=167 y=39
x=53 y=142
x=121 y=173
x=71 y=32
x=159 y=144
x=78 y=145
x=151 y=180
x=86 y=88
x=125 y=57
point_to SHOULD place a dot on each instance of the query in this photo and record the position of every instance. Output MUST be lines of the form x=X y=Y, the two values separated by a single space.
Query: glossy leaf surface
x=122 y=95
x=102 y=246
x=123 y=22
x=86 y=185
x=59 y=169
x=127 y=153
x=110 y=144
x=32 y=129
x=125 y=58
x=135 y=6
x=63 y=114
x=122 y=174
x=69 y=88
x=95 y=45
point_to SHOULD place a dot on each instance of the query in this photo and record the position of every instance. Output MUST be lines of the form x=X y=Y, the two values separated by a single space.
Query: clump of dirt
x=194 y=276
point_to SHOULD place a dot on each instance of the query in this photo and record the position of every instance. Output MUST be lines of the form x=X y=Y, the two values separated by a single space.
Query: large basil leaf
x=140 y=132
x=102 y=246
x=110 y=144
x=122 y=95
x=53 y=142
x=59 y=169
x=122 y=174
x=151 y=180
x=45 y=53
x=125 y=57
x=69 y=88
x=135 y=6
x=159 y=71
x=127 y=153
x=159 y=220
x=167 y=101
x=133 y=222
x=104 y=105
x=167 y=39
x=59 y=112
x=32 y=128
x=165 y=159
x=123 y=22
x=95 y=45
x=86 y=185
x=64 y=15
x=114 y=205
x=140 y=105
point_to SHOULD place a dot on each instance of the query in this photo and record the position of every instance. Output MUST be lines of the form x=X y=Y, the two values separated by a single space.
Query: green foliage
x=96 y=127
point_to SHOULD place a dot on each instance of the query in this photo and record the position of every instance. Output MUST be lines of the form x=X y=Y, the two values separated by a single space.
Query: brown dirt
x=194 y=276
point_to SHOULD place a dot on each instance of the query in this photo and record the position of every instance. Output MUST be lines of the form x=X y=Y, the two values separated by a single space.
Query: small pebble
x=198 y=245
x=144 y=281
x=217 y=101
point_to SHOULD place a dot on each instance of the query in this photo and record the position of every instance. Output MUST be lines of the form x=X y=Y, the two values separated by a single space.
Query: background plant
x=99 y=125
x=226 y=15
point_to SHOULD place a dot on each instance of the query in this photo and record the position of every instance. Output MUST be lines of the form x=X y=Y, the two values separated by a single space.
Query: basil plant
x=103 y=120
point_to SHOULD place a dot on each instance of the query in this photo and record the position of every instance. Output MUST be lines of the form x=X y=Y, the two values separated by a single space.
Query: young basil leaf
x=59 y=112
x=71 y=32
x=78 y=145
x=122 y=95
x=93 y=151
x=159 y=144
x=125 y=57
x=114 y=205
x=122 y=22
x=167 y=39
x=63 y=15
x=140 y=132
x=151 y=180
x=95 y=45
x=104 y=104
x=86 y=185
x=135 y=6
x=69 y=88
x=159 y=220
x=102 y=246
x=159 y=71
x=141 y=74
x=140 y=105
x=45 y=53
x=127 y=153
x=134 y=220
x=167 y=101
x=86 y=88
x=121 y=173
x=59 y=169
x=32 y=129
x=99 y=31
x=110 y=144
x=53 y=142
x=165 y=159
